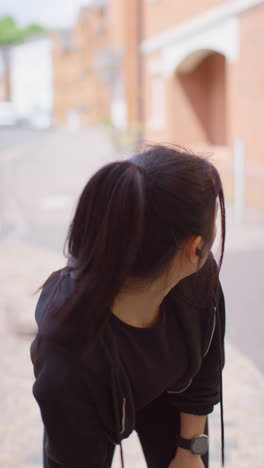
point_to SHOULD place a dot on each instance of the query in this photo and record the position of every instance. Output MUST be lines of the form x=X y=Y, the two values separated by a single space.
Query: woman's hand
x=185 y=459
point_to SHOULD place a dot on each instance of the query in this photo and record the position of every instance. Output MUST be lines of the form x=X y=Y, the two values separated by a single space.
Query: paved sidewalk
x=247 y=235
x=23 y=268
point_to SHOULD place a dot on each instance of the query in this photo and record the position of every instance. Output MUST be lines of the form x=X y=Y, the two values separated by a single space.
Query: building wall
x=65 y=72
x=194 y=102
x=218 y=101
x=132 y=61
x=217 y=119
x=163 y=14
x=31 y=78
x=247 y=101
x=125 y=28
x=206 y=100
x=91 y=94
x=117 y=14
x=81 y=97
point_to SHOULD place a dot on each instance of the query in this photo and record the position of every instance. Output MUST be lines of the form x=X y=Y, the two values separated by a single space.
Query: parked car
x=40 y=120
x=7 y=114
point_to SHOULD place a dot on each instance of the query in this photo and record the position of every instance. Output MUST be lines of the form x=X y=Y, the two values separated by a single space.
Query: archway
x=200 y=86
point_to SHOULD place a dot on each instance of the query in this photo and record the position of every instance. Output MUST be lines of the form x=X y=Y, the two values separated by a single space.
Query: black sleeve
x=204 y=392
x=75 y=437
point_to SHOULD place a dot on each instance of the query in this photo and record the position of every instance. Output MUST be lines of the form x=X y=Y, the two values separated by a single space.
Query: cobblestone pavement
x=21 y=429
x=24 y=266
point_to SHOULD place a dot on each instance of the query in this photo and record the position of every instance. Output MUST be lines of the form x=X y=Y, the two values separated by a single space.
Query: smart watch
x=198 y=445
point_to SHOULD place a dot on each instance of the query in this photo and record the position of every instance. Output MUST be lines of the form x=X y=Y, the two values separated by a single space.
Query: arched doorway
x=200 y=91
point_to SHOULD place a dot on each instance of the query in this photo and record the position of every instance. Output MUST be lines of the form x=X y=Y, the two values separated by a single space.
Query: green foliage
x=11 y=33
x=33 y=28
x=127 y=139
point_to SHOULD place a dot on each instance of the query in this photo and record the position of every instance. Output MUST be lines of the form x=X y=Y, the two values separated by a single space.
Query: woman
x=131 y=330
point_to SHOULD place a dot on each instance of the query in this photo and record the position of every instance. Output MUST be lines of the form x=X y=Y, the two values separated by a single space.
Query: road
x=19 y=136
x=242 y=279
x=41 y=178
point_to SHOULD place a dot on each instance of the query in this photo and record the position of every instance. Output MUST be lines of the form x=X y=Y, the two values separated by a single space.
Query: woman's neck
x=138 y=303
x=141 y=307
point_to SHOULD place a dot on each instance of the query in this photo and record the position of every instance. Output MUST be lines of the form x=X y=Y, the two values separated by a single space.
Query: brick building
x=95 y=64
x=189 y=72
x=79 y=96
x=204 y=84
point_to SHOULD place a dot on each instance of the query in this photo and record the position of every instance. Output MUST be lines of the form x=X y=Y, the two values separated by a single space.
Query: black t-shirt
x=155 y=357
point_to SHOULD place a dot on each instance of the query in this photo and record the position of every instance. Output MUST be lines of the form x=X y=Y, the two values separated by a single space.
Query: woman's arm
x=199 y=399
x=204 y=392
x=191 y=425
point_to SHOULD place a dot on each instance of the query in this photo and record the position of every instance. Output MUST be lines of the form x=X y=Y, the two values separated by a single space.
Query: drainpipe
x=140 y=66
x=239 y=180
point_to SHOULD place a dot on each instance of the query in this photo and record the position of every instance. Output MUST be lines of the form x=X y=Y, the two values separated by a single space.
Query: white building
x=32 y=81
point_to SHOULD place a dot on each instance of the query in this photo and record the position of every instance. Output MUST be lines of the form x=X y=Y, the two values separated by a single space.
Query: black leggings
x=157 y=425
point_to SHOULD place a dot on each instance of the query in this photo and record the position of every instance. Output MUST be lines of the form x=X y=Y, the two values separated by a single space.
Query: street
x=41 y=177
x=242 y=278
x=19 y=136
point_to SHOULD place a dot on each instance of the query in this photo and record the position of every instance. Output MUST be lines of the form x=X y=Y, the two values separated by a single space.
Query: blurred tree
x=33 y=29
x=11 y=33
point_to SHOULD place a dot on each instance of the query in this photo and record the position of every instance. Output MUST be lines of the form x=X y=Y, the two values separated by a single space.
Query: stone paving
x=21 y=429
x=23 y=268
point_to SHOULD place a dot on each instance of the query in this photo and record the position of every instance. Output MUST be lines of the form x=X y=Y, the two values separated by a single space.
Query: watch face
x=200 y=445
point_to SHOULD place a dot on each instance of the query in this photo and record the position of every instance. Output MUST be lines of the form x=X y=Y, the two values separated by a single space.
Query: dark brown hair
x=131 y=219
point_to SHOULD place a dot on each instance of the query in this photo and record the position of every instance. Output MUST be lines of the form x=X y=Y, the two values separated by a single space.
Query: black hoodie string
x=114 y=362
x=122 y=455
x=221 y=377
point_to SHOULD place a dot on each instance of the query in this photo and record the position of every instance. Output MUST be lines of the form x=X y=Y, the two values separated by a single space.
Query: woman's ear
x=193 y=248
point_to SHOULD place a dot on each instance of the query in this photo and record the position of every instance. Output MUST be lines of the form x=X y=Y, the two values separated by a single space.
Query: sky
x=51 y=13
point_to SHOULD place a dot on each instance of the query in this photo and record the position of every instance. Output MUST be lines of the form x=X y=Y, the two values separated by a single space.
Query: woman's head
x=181 y=192
x=147 y=208
x=134 y=216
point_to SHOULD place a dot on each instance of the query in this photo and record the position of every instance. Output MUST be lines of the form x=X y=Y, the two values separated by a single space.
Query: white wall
x=118 y=105
x=31 y=78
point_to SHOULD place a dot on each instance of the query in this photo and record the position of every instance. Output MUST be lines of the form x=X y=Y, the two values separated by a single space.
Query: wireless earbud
x=198 y=252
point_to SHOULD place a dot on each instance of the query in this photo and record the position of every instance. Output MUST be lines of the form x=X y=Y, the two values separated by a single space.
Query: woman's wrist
x=184 y=453
x=186 y=459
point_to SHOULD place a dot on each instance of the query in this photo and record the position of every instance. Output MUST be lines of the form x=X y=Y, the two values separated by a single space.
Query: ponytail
x=131 y=220
x=104 y=239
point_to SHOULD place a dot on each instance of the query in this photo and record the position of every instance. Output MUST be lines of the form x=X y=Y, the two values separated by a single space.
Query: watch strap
x=184 y=443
